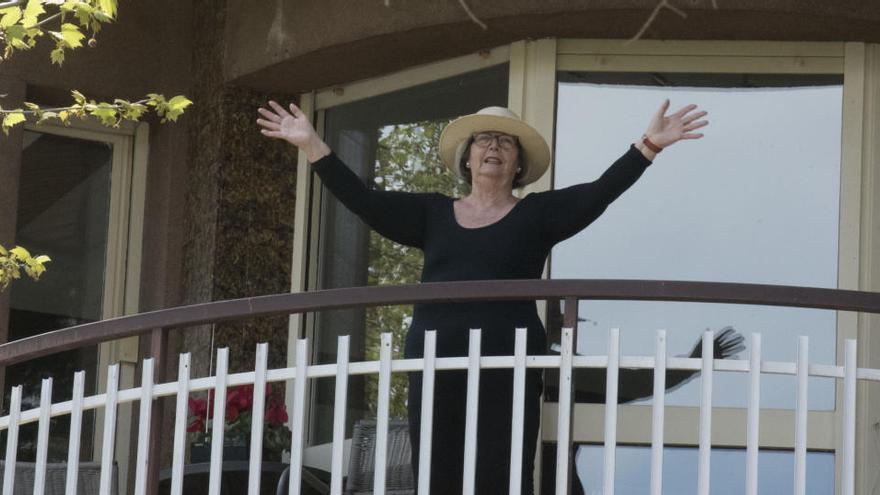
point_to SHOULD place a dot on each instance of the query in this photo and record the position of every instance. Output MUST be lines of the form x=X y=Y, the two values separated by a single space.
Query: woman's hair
x=465 y=172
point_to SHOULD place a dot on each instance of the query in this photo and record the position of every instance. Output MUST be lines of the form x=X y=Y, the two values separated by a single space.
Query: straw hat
x=498 y=119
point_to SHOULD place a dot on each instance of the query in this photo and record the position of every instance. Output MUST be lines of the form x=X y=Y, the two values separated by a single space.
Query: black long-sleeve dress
x=514 y=247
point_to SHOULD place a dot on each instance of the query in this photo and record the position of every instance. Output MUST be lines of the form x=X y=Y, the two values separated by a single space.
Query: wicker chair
x=399 y=474
x=88 y=480
x=399 y=477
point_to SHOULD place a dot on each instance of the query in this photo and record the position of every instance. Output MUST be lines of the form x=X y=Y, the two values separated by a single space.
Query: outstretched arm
x=572 y=209
x=395 y=215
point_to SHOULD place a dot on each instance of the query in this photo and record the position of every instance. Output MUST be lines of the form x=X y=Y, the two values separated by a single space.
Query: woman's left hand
x=667 y=130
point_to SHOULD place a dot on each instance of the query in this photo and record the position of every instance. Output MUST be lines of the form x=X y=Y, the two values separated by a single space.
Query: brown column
x=10 y=167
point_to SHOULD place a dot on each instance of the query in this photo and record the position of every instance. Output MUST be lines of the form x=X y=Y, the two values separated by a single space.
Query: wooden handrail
x=489 y=290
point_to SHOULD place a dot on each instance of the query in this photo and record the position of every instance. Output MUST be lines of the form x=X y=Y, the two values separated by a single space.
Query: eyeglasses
x=505 y=141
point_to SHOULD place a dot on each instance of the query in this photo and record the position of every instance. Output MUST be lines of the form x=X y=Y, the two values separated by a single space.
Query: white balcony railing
x=302 y=373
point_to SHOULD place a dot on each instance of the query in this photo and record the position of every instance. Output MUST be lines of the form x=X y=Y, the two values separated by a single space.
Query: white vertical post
x=339 y=410
x=382 y=413
x=426 y=428
x=146 y=408
x=76 y=413
x=299 y=416
x=754 y=415
x=43 y=437
x=658 y=411
x=518 y=420
x=109 y=430
x=12 y=440
x=800 y=432
x=218 y=423
x=180 y=418
x=706 y=414
x=610 y=449
x=257 y=416
x=848 y=485
x=472 y=408
x=563 y=436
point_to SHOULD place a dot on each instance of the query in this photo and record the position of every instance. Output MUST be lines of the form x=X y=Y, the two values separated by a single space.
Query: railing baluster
x=563 y=437
x=145 y=417
x=848 y=485
x=427 y=417
x=754 y=416
x=218 y=423
x=299 y=415
x=705 y=451
x=73 y=443
x=470 y=425
x=384 y=392
x=800 y=435
x=43 y=437
x=339 y=410
x=658 y=413
x=257 y=416
x=12 y=440
x=180 y=425
x=518 y=423
x=109 y=429
x=611 y=410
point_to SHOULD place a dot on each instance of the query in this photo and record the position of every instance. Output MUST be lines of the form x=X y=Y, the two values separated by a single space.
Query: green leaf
x=10 y=17
x=72 y=35
x=42 y=259
x=20 y=252
x=33 y=9
x=57 y=56
x=106 y=112
x=108 y=7
x=10 y=120
x=78 y=97
x=15 y=34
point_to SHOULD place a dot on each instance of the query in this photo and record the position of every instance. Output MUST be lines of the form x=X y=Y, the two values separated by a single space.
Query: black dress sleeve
x=568 y=211
x=399 y=216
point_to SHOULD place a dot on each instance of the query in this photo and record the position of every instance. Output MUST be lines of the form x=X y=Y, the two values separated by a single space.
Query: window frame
x=122 y=273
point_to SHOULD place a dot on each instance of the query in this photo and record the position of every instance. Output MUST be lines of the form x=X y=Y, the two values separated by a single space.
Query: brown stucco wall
x=301 y=45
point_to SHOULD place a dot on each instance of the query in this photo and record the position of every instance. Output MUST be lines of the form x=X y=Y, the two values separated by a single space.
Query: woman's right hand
x=293 y=127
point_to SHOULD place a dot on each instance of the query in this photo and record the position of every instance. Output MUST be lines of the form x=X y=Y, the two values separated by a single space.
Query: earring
x=519 y=170
x=467 y=165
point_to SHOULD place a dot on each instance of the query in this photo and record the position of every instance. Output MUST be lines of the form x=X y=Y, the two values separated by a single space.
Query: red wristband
x=651 y=146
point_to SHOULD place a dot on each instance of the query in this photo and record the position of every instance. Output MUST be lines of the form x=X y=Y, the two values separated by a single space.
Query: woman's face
x=495 y=156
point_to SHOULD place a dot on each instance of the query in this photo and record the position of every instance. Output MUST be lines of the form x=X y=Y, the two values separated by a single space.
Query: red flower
x=196 y=426
x=198 y=407
x=276 y=412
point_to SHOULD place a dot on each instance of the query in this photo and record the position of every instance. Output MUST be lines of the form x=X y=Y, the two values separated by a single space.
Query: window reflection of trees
x=407 y=160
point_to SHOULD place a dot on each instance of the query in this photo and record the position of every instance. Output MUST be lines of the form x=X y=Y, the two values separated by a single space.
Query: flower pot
x=234 y=449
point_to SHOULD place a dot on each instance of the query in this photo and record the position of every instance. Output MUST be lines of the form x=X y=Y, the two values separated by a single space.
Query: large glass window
x=755 y=201
x=63 y=211
x=681 y=464
x=390 y=141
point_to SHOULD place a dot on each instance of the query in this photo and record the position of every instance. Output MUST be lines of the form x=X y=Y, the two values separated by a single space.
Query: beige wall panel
x=868 y=394
x=686 y=63
x=411 y=77
x=682 y=426
x=715 y=48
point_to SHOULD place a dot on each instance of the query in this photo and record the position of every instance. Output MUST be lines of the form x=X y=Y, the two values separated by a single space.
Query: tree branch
x=12 y=3
x=59 y=109
x=46 y=20
x=657 y=9
x=470 y=14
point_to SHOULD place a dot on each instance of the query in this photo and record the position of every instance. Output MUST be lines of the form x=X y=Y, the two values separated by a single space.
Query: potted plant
x=237 y=425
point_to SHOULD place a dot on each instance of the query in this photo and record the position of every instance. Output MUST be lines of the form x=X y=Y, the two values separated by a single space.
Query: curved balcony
x=155 y=385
